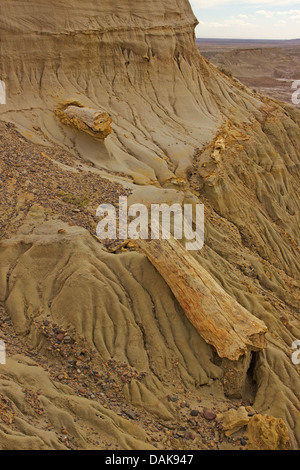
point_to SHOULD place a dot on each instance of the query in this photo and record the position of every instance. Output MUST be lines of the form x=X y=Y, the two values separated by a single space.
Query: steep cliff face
x=182 y=131
x=137 y=61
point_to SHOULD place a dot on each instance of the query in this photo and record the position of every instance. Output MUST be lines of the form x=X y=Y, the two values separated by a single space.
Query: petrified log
x=92 y=121
x=220 y=320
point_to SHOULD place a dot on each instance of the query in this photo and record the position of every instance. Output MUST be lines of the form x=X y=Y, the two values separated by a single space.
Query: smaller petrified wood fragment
x=93 y=121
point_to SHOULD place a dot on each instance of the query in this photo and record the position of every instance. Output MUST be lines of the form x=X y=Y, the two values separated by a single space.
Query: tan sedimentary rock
x=234 y=420
x=218 y=318
x=268 y=433
x=137 y=60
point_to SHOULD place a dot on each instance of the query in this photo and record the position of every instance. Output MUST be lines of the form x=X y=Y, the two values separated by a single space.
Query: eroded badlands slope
x=183 y=132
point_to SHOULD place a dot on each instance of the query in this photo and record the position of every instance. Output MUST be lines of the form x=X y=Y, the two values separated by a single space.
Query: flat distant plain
x=268 y=66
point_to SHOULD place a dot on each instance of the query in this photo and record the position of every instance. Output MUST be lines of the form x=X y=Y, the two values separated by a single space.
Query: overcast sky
x=254 y=19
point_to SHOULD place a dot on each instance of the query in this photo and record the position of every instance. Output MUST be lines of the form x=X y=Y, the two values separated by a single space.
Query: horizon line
x=244 y=39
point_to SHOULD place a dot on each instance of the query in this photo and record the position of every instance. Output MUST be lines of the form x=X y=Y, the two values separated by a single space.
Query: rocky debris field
x=52 y=178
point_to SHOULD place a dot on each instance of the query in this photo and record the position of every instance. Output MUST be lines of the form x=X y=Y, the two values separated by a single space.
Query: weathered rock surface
x=234 y=420
x=267 y=433
x=94 y=122
x=65 y=414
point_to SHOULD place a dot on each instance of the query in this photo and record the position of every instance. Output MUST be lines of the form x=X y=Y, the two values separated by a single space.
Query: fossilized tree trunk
x=92 y=121
x=220 y=320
